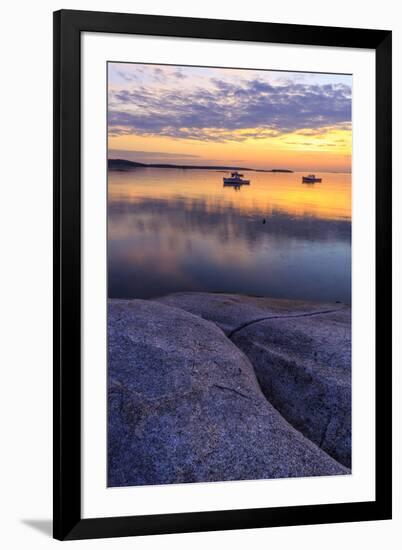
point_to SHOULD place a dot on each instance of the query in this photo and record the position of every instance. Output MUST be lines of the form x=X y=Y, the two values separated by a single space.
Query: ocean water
x=175 y=230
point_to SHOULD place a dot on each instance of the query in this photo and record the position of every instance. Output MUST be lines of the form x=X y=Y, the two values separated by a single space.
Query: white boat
x=311 y=179
x=235 y=179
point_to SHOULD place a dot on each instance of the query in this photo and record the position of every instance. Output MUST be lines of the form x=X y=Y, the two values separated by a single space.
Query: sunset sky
x=249 y=118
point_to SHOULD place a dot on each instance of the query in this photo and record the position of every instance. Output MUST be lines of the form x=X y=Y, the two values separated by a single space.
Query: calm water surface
x=175 y=230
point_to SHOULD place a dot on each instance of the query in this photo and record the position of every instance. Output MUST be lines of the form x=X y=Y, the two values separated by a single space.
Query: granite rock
x=232 y=311
x=184 y=405
x=303 y=367
x=301 y=354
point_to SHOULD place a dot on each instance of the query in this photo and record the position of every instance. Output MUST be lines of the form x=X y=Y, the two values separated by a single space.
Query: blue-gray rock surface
x=301 y=354
x=231 y=311
x=184 y=405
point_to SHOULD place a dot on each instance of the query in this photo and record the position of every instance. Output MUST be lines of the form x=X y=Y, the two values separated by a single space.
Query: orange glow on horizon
x=329 y=150
x=221 y=116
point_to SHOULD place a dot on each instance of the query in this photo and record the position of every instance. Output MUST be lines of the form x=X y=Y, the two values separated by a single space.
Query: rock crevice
x=301 y=355
x=271 y=317
x=185 y=405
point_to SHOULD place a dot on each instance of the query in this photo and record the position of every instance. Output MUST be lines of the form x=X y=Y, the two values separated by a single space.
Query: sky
x=238 y=117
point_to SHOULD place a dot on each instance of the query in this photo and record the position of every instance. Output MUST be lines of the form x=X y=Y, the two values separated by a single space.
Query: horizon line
x=222 y=167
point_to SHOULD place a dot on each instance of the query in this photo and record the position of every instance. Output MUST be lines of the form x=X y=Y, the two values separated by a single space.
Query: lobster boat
x=235 y=179
x=311 y=179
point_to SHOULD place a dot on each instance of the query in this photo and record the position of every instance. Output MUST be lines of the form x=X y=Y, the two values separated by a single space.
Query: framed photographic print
x=222 y=274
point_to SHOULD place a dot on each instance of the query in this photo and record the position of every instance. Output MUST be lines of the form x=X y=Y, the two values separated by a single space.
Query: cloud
x=230 y=111
x=128 y=77
x=179 y=74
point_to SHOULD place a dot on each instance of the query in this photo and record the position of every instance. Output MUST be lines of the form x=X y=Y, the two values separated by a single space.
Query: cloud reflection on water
x=178 y=242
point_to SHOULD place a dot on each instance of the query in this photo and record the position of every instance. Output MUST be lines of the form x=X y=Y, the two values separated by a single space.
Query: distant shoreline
x=122 y=165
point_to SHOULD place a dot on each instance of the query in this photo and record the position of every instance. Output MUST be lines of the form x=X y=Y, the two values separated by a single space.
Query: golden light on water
x=268 y=192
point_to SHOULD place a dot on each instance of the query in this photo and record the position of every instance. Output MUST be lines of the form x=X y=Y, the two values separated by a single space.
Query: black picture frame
x=68 y=522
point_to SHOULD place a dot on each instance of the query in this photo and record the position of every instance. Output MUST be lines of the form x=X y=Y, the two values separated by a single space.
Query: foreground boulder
x=233 y=311
x=303 y=367
x=301 y=353
x=184 y=405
